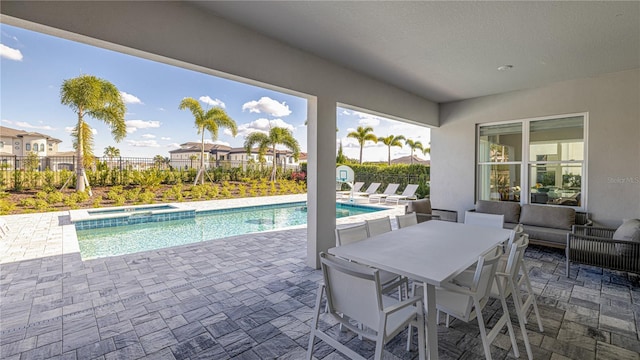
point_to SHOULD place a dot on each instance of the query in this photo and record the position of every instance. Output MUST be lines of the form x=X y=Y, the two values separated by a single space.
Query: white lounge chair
x=347 y=193
x=390 y=190
x=408 y=193
x=373 y=187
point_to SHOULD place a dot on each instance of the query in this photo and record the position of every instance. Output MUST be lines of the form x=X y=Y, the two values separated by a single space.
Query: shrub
x=55 y=197
x=6 y=206
x=41 y=195
x=97 y=202
x=147 y=197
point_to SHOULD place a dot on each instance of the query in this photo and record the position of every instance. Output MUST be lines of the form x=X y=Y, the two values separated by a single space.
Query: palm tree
x=277 y=136
x=192 y=157
x=97 y=98
x=159 y=161
x=211 y=121
x=111 y=152
x=390 y=141
x=413 y=145
x=362 y=134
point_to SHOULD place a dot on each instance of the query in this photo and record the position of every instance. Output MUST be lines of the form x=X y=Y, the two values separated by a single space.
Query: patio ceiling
x=447 y=51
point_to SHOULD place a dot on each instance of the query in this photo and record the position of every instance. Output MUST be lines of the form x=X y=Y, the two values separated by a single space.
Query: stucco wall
x=613 y=104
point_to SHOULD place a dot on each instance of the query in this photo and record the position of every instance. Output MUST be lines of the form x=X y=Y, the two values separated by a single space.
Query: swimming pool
x=206 y=225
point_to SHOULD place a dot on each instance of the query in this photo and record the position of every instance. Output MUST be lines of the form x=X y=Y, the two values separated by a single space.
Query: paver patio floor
x=252 y=297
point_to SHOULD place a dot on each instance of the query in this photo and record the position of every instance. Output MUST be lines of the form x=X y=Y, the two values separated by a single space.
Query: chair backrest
x=484 y=276
x=351 y=234
x=422 y=206
x=391 y=189
x=353 y=290
x=378 y=226
x=516 y=233
x=410 y=190
x=373 y=187
x=482 y=219
x=357 y=186
x=406 y=220
x=516 y=256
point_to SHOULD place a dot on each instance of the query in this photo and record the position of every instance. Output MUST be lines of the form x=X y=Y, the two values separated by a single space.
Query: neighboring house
x=21 y=143
x=407 y=160
x=16 y=144
x=188 y=155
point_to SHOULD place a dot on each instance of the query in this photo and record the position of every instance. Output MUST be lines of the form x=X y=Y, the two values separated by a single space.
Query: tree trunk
x=80 y=158
x=361 y=146
x=389 y=157
x=201 y=172
x=273 y=172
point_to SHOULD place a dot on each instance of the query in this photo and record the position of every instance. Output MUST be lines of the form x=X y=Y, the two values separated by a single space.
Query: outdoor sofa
x=546 y=225
x=617 y=249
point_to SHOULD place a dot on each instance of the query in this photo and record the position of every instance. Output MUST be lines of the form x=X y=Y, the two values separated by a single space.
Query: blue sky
x=33 y=67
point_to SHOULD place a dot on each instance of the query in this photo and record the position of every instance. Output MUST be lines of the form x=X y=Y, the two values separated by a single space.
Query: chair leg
x=483 y=334
x=314 y=322
x=505 y=310
x=532 y=297
x=521 y=318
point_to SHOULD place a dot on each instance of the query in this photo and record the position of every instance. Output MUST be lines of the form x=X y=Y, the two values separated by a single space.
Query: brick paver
x=252 y=297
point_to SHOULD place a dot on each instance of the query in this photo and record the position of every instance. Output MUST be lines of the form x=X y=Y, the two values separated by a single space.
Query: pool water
x=215 y=224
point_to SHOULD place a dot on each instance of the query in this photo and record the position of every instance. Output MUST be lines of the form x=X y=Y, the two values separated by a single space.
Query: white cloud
x=346 y=112
x=174 y=145
x=10 y=53
x=263 y=125
x=213 y=102
x=143 y=143
x=69 y=129
x=129 y=98
x=134 y=125
x=149 y=136
x=165 y=138
x=268 y=106
x=161 y=109
x=26 y=125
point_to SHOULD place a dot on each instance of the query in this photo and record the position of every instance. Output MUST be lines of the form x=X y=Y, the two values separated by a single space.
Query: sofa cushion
x=628 y=231
x=510 y=210
x=548 y=216
x=557 y=236
x=422 y=206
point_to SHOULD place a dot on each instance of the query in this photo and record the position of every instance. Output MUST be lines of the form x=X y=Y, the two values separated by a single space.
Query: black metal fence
x=28 y=172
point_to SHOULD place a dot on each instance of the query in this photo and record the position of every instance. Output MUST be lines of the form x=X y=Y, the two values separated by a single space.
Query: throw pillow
x=629 y=231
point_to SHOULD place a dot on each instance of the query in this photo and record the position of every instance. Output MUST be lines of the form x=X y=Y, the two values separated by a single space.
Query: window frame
x=526 y=162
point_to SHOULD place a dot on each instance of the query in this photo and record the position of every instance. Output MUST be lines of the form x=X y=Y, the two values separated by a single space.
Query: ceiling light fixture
x=505 y=67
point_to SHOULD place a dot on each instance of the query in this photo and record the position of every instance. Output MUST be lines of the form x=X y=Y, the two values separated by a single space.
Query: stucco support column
x=321 y=167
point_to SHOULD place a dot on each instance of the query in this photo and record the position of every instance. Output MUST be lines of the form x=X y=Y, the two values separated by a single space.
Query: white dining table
x=431 y=252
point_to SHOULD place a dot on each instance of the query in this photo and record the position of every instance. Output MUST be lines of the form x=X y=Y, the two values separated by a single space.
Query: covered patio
x=252 y=296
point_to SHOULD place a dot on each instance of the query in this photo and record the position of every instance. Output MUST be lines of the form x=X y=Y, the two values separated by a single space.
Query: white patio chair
x=378 y=226
x=406 y=220
x=390 y=190
x=373 y=187
x=465 y=298
x=482 y=219
x=389 y=280
x=353 y=292
x=408 y=193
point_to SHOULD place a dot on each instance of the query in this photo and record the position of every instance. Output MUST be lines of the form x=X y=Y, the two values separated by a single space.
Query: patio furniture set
x=455 y=268
x=563 y=227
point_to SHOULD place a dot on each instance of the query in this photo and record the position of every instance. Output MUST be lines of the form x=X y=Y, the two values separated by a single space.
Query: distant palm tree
x=413 y=145
x=192 y=157
x=362 y=134
x=111 y=152
x=97 y=98
x=211 y=121
x=277 y=136
x=159 y=161
x=426 y=150
x=390 y=141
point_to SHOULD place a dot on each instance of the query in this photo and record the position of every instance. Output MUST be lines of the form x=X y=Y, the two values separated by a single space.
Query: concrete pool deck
x=252 y=297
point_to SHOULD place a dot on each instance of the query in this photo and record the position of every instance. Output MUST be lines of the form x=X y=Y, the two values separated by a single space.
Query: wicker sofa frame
x=592 y=245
